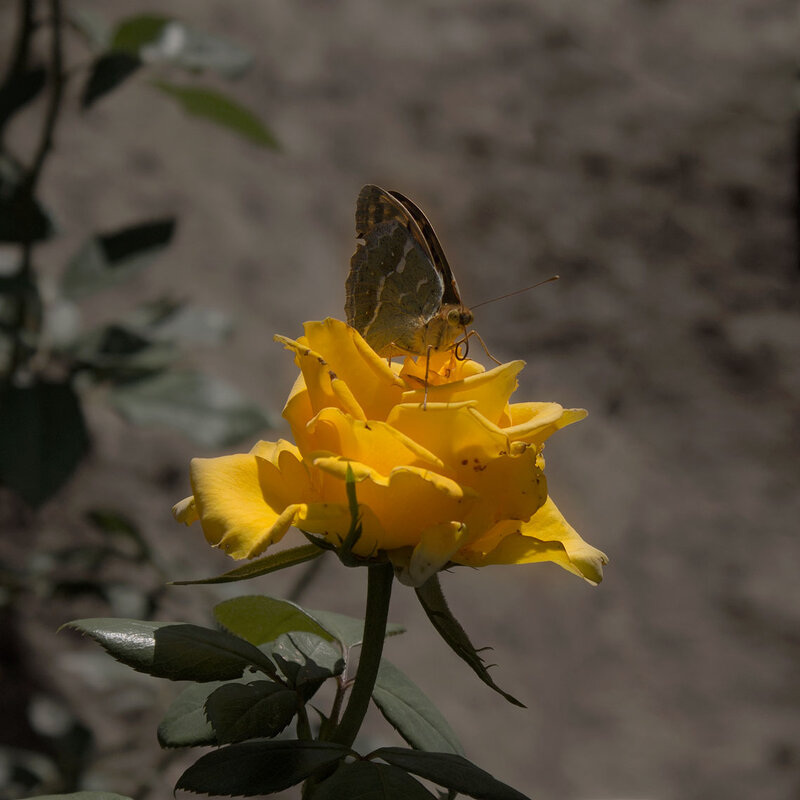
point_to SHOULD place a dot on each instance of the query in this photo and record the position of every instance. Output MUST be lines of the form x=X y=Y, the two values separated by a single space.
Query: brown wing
x=376 y=205
x=451 y=293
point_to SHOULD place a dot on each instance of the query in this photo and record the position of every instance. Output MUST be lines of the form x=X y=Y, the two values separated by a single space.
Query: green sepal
x=345 y=552
x=262 y=566
x=451 y=771
x=435 y=606
x=411 y=713
x=176 y=651
x=255 y=768
x=369 y=781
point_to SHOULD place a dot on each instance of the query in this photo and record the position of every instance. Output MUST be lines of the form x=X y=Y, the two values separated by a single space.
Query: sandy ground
x=642 y=150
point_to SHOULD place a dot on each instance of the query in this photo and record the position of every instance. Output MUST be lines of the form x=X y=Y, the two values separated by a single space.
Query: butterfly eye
x=454 y=316
x=465 y=318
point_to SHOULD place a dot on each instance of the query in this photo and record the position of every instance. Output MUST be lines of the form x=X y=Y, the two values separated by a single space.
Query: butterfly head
x=459 y=317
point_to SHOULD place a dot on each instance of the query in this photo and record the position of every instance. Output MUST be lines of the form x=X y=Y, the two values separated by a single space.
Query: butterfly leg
x=427 y=370
x=463 y=356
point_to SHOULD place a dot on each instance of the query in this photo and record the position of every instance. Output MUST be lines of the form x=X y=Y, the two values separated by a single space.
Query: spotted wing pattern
x=393 y=288
x=451 y=293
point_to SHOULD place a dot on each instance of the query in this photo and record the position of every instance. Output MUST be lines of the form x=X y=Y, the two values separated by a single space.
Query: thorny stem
x=379 y=592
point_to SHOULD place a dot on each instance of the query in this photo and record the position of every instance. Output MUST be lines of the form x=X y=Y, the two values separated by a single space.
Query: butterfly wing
x=433 y=247
x=393 y=288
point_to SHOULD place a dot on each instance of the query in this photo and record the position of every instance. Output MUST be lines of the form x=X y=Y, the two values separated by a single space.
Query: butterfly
x=401 y=295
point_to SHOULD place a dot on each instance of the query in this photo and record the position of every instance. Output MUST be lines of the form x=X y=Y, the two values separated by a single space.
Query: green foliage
x=231 y=706
x=107 y=259
x=136 y=355
x=176 y=651
x=367 y=780
x=107 y=73
x=135 y=32
x=207 y=409
x=16 y=94
x=43 y=437
x=451 y=771
x=23 y=219
x=254 y=768
x=238 y=712
x=260 y=619
x=348 y=630
x=216 y=107
x=435 y=606
x=185 y=724
x=411 y=713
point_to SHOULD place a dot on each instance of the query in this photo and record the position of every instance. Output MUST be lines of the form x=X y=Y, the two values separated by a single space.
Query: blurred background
x=641 y=149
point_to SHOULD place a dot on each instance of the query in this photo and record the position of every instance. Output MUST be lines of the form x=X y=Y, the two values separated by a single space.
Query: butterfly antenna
x=511 y=294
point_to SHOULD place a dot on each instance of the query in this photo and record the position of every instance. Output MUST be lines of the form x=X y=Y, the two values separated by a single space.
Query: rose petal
x=434 y=551
x=374 y=383
x=547 y=536
x=535 y=422
x=375 y=443
x=406 y=501
x=487 y=391
x=319 y=378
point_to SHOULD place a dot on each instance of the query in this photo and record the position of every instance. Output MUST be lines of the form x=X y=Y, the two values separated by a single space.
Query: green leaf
x=18 y=90
x=81 y=796
x=260 y=619
x=348 y=630
x=206 y=409
x=254 y=768
x=22 y=218
x=262 y=566
x=94 y=29
x=107 y=72
x=176 y=651
x=239 y=711
x=187 y=47
x=411 y=713
x=169 y=321
x=135 y=32
x=43 y=438
x=117 y=526
x=216 y=107
x=185 y=724
x=118 y=354
x=451 y=771
x=306 y=660
x=106 y=259
x=368 y=781
x=435 y=606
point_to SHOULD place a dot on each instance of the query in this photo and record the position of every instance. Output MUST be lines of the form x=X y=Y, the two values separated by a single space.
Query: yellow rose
x=458 y=481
